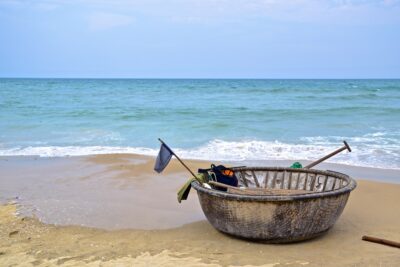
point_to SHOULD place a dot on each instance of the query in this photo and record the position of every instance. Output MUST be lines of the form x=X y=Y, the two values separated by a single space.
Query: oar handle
x=346 y=146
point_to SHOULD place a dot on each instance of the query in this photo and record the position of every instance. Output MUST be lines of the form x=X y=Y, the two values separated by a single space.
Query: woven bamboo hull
x=274 y=219
x=274 y=222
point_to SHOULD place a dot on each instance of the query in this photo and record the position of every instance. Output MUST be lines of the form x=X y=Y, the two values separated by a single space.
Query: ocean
x=219 y=119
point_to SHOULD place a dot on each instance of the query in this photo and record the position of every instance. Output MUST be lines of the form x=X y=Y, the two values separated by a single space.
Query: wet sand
x=122 y=191
x=108 y=191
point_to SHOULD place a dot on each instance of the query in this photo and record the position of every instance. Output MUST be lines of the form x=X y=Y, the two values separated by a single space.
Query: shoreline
x=389 y=175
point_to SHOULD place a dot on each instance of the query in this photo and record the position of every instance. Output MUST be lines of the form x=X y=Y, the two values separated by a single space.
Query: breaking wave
x=373 y=150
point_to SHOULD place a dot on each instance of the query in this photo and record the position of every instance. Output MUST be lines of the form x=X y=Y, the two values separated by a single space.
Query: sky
x=200 y=38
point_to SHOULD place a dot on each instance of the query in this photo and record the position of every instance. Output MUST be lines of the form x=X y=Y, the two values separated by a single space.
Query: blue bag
x=221 y=174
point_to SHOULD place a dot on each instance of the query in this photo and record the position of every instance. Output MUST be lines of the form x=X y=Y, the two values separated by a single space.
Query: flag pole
x=173 y=153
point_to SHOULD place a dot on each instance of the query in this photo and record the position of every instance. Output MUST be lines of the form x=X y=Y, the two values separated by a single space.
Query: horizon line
x=194 y=78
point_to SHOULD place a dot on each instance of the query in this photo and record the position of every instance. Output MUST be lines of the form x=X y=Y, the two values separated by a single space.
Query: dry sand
x=373 y=209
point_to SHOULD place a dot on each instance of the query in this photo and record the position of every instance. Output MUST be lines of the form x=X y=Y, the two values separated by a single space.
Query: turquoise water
x=203 y=119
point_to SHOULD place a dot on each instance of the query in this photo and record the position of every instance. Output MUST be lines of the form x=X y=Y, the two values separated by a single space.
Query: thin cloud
x=104 y=21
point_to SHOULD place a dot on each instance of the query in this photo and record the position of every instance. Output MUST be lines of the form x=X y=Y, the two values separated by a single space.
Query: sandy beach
x=302 y=97
x=110 y=210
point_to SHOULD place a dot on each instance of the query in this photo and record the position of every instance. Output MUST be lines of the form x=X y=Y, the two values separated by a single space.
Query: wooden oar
x=346 y=146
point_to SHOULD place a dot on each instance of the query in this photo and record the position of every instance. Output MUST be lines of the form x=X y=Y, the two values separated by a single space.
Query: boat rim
x=351 y=185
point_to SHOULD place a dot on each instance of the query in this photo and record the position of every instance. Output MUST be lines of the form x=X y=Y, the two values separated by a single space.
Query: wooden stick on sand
x=381 y=241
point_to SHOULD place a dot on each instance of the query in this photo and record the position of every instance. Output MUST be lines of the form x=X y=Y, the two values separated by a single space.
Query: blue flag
x=163 y=158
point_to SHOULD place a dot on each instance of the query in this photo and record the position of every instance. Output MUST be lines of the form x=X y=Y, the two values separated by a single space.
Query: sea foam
x=363 y=154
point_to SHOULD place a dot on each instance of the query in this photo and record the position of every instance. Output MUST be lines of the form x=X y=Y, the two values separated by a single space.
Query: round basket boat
x=304 y=203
